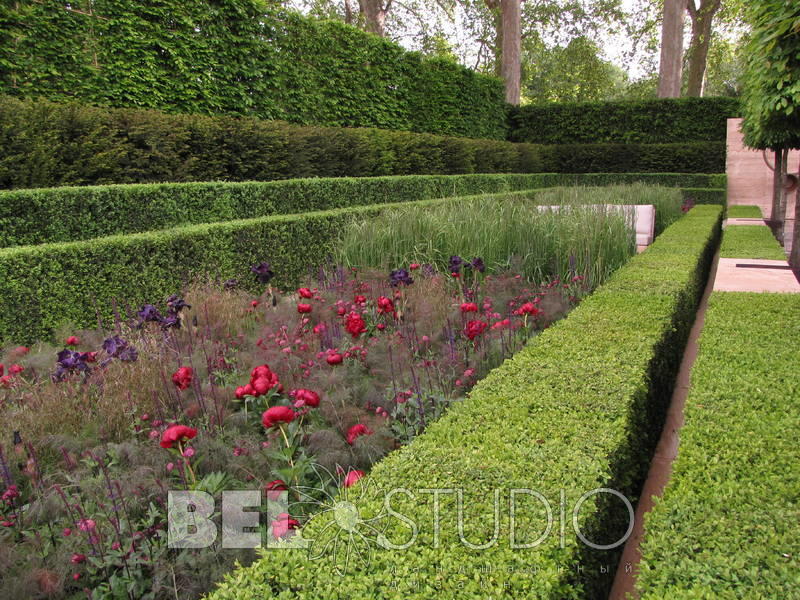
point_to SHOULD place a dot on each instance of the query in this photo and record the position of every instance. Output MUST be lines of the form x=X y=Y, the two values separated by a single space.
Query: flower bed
x=727 y=524
x=224 y=391
x=572 y=412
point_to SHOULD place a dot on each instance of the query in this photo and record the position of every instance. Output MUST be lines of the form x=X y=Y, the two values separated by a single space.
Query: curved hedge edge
x=726 y=526
x=49 y=215
x=573 y=411
x=750 y=241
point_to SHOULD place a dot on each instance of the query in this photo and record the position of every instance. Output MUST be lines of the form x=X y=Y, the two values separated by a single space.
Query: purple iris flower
x=118 y=348
x=263 y=272
x=400 y=276
x=477 y=264
x=455 y=264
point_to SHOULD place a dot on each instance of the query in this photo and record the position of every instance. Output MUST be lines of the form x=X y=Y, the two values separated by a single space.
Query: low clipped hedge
x=744 y=211
x=751 y=241
x=727 y=524
x=646 y=121
x=684 y=157
x=705 y=195
x=77 y=213
x=579 y=408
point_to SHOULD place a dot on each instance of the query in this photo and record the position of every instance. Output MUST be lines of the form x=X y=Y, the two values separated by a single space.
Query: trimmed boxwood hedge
x=751 y=241
x=646 y=121
x=705 y=195
x=685 y=157
x=75 y=213
x=744 y=211
x=727 y=524
x=579 y=408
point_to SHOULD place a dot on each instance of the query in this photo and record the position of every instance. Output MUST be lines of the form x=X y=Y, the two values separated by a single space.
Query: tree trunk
x=702 y=19
x=374 y=13
x=782 y=204
x=511 y=33
x=777 y=185
x=794 y=257
x=670 y=64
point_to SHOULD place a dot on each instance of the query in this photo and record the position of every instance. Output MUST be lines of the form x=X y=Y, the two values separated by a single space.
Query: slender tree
x=702 y=17
x=670 y=66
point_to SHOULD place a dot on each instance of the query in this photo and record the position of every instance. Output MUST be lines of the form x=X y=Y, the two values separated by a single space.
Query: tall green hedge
x=578 y=409
x=239 y=57
x=68 y=214
x=727 y=524
x=667 y=120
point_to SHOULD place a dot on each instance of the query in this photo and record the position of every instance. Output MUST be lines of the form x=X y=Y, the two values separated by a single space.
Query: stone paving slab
x=762 y=276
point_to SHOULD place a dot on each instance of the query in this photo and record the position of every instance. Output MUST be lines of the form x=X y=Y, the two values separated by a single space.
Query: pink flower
x=357 y=431
x=21 y=350
x=303 y=308
x=501 y=324
x=468 y=307
x=282 y=525
x=16 y=369
x=66 y=532
x=352 y=477
x=529 y=308
x=380 y=326
x=170 y=466
x=274 y=489
x=72 y=341
x=334 y=358
x=474 y=329
x=277 y=414
x=6 y=381
x=78 y=558
x=413 y=266
x=385 y=305
x=340 y=311
x=188 y=453
x=304 y=397
x=87 y=525
x=359 y=299
x=254 y=303
x=177 y=433
x=182 y=378
x=305 y=293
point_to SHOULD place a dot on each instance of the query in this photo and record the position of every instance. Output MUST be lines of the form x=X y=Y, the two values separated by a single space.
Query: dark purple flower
x=399 y=276
x=177 y=304
x=119 y=348
x=70 y=361
x=231 y=284
x=477 y=264
x=455 y=264
x=149 y=312
x=263 y=272
x=171 y=320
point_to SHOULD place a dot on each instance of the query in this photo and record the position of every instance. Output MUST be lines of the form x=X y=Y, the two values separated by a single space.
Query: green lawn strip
x=744 y=211
x=47 y=215
x=750 y=241
x=727 y=524
x=577 y=409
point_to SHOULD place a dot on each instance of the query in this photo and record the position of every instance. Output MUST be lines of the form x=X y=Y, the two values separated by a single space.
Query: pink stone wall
x=749 y=179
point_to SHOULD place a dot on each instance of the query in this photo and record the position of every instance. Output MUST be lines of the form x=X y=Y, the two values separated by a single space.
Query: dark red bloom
x=529 y=308
x=359 y=299
x=413 y=266
x=474 y=329
x=72 y=341
x=354 y=324
x=182 y=378
x=334 y=358
x=16 y=369
x=177 y=433
x=303 y=308
x=305 y=293
x=274 y=489
x=385 y=305
x=262 y=380
x=468 y=307
x=357 y=431
x=304 y=397
x=277 y=414
x=352 y=477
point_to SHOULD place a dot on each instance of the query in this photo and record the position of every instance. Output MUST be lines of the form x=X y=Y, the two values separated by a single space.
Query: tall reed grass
x=507 y=231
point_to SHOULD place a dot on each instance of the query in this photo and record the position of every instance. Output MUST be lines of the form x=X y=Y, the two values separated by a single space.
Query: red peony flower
x=529 y=308
x=77 y=558
x=21 y=350
x=359 y=299
x=262 y=379
x=177 y=433
x=474 y=329
x=305 y=293
x=501 y=324
x=304 y=397
x=385 y=305
x=413 y=266
x=282 y=525
x=254 y=303
x=468 y=307
x=2 y=369
x=182 y=378
x=274 y=489
x=357 y=431
x=72 y=341
x=354 y=324
x=303 y=308
x=16 y=369
x=6 y=381
x=380 y=326
x=334 y=358
x=352 y=477
x=277 y=414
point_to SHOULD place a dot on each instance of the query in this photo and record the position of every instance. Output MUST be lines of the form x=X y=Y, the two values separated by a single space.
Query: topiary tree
x=771 y=107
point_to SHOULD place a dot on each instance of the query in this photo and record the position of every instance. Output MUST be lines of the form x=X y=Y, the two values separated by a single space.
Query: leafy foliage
x=239 y=57
x=726 y=526
x=627 y=338
x=772 y=77
x=667 y=120
x=751 y=241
